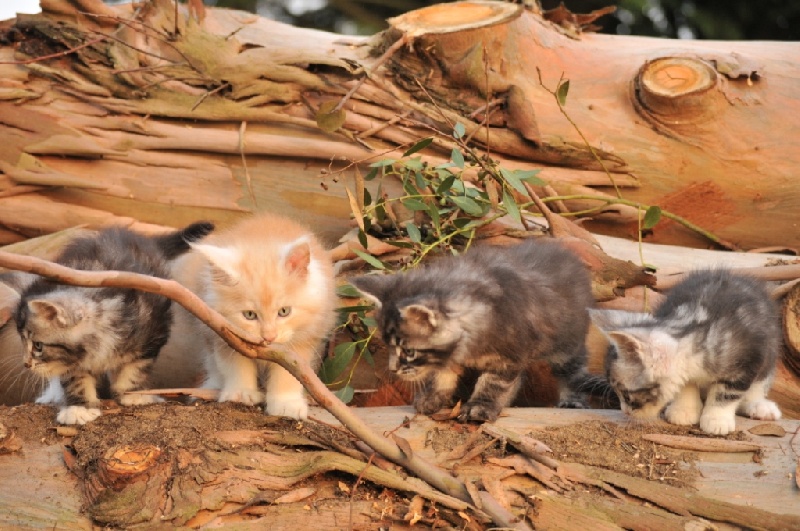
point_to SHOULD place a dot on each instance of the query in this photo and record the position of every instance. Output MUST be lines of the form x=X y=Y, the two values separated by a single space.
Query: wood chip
x=768 y=429
x=296 y=495
x=702 y=444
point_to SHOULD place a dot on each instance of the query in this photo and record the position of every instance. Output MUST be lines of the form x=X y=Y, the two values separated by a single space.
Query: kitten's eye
x=38 y=346
x=250 y=315
x=284 y=311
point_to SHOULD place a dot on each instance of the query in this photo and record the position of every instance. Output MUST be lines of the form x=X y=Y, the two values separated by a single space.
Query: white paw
x=717 y=422
x=77 y=415
x=249 y=397
x=134 y=399
x=762 y=409
x=54 y=394
x=288 y=405
x=683 y=414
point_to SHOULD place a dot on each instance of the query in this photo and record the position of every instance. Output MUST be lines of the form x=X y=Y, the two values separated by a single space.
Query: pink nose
x=269 y=338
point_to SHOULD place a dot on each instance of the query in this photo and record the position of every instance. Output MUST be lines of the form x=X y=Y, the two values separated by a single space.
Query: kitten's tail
x=175 y=244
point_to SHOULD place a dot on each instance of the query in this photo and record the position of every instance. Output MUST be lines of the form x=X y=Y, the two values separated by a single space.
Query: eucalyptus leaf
x=414 y=204
x=468 y=205
x=413 y=232
x=445 y=185
x=651 y=217
x=419 y=146
x=345 y=394
x=371 y=260
x=459 y=130
x=458 y=158
x=348 y=290
x=511 y=206
x=328 y=119
x=562 y=91
x=382 y=163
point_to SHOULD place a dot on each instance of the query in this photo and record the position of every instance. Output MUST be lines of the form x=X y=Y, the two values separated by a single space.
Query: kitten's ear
x=629 y=346
x=55 y=313
x=372 y=287
x=223 y=258
x=419 y=316
x=297 y=257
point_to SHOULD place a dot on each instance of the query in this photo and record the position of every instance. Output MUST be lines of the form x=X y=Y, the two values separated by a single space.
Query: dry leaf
x=343 y=487
x=414 y=513
x=298 y=494
x=768 y=429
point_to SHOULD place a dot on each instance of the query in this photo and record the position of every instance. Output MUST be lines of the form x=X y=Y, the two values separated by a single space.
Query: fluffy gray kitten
x=493 y=309
x=75 y=335
x=716 y=335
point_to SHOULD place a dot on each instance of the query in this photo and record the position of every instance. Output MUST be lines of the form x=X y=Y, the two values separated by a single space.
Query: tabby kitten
x=74 y=335
x=272 y=278
x=494 y=309
x=716 y=335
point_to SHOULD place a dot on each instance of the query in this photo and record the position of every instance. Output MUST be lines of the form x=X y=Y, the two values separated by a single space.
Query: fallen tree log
x=112 y=113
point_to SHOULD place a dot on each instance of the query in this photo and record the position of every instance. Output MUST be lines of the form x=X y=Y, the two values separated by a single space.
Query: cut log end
x=679 y=89
x=449 y=18
x=122 y=463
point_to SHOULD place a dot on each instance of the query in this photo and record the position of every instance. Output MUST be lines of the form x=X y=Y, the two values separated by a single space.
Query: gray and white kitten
x=493 y=309
x=717 y=334
x=75 y=336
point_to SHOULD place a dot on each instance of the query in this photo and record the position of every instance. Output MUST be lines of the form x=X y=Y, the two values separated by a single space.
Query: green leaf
x=328 y=119
x=414 y=204
x=355 y=309
x=413 y=232
x=459 y=130
x=362 y=239
x=445 y=185
x=530 y=177
x=468 y=205
x=371 y=260
x=402 y=244
x=458 y=158
x=561 y=92
x=367 y=355
x=511 y=206
x=433 y=212
x=382 y=163
x=371 y=174
x=513 y=179
x=333 y=366
x=419 y=180
x=367 y=197
x=369 y=322
x=651 y=217
x=414 y=164
x=419 y=146
x=348 y=290
x=345 y=394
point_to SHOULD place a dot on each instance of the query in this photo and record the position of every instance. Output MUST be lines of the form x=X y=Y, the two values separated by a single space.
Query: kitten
x=494 y=309
x=716 y=334
x=271 y=277
x=74 y=335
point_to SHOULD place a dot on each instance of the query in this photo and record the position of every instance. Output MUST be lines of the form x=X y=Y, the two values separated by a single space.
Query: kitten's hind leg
x=719 y=413
x=132 y=377
x=686 y=408
x=755 y=405
x=493 y=392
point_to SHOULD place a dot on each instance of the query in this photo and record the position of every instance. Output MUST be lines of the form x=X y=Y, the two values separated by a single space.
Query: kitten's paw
x=761 y=409
x=683 y=414
x=77 y=415
x=134 y=399
x=717 y=422
x=250 y=397
x=289 y=405
x=430 y=404
x=479 y=412
x=573 y=403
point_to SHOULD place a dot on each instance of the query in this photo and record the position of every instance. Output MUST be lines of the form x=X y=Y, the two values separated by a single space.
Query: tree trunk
x=113 y=114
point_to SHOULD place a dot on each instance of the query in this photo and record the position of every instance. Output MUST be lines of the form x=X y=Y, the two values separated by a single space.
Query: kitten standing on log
x=272 y=278
x=75 y=335
x=494 y=309
x=716 y=334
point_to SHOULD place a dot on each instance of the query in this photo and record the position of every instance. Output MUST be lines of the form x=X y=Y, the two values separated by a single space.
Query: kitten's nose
x=29 y=363
x=269 y=337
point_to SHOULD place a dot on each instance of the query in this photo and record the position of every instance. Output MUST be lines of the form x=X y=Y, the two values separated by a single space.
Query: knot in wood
x=121 y=464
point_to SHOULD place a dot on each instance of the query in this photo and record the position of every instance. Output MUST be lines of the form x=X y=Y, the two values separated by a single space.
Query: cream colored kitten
x=271 y=277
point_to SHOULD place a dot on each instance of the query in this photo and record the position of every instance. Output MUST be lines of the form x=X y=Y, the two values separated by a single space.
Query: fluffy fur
x=271 y=277
x=715 y=335
x=74 y=336
x=494 y=309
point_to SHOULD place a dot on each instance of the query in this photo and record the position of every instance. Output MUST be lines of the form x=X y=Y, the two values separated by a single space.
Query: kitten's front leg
x=493 y=392
x=686 y=408
x=80 y=391
x=755 y=405
x=285 y=395
x=719 y=413
x=132 y=377
x=236 y=375
x=436 y=391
